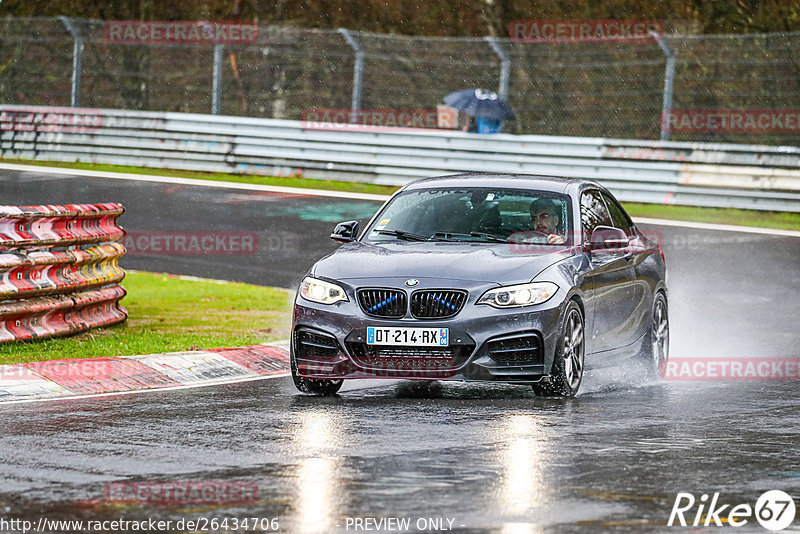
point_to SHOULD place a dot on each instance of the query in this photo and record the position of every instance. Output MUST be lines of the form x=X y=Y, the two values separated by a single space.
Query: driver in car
x=545 y=219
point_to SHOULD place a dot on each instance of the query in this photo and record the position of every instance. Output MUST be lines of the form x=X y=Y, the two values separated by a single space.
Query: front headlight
x=321 y=291
x=519 y=295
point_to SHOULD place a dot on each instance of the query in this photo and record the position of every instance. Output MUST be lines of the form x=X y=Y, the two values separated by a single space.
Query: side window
x=593 y=213
x=618 y=215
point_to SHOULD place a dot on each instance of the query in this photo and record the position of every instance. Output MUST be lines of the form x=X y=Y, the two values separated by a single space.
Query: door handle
x=629 y=251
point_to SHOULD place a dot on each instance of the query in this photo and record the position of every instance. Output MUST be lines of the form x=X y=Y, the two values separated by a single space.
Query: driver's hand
x=555 y=239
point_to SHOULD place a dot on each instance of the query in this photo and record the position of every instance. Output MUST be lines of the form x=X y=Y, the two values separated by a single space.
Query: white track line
x=720 y=227
x=192 y=181
x=184 y=277
x=348 y=195
x=150 y=390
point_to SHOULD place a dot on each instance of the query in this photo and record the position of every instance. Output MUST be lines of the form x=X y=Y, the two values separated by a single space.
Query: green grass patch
x=167 y=314
x=765 y=219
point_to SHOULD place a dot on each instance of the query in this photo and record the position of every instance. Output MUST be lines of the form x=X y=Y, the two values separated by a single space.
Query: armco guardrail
x=58 y=270
x=723 y=175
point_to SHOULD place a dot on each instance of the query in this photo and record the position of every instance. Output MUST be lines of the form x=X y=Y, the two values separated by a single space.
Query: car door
x=636 y=254
x=609 y=281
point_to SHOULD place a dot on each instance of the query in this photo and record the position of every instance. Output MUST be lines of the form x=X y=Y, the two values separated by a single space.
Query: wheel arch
x=661 y=288
x=579 y=301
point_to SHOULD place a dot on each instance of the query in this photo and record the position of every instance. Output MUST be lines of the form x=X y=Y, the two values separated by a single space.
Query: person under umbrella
x=489 y=109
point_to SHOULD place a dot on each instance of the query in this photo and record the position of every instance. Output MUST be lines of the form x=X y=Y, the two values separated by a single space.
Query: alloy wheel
x=660 y=336
x=572 y=351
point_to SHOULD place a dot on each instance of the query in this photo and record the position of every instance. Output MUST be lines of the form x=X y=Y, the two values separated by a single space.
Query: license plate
x=414 y=337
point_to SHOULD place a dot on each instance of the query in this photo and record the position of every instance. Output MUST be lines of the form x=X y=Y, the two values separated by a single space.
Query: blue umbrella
x=480 y=103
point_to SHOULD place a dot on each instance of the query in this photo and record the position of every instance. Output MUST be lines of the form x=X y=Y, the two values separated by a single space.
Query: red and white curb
x=61 y=379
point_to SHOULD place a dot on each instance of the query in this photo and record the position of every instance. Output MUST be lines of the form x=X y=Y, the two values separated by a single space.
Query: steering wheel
x=528 y=235
x=537 y=233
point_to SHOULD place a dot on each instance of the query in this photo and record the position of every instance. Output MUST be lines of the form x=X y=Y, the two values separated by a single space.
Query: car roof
x=555 y=184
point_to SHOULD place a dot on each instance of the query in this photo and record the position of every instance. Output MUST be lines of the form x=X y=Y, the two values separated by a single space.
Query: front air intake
x=518 y=348
x=385 y=303
x=437 y=303
x=313 y=343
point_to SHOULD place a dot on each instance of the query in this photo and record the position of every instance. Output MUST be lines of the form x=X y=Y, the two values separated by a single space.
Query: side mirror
x=606 y=237
x=345 y=232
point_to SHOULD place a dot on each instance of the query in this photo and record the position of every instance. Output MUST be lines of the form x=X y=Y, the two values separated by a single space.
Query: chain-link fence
x=596 y=89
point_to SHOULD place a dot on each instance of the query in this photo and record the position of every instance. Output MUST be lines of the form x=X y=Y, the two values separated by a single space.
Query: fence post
x=216 y=84
x=358 y=68
x=77 y=57
x=669 y=75
x=505 y=66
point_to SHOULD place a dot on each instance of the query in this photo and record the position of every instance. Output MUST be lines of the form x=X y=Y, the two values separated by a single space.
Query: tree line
x=457 y=18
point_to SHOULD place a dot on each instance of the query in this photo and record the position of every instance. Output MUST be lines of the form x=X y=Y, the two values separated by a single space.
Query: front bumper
x=487 y=344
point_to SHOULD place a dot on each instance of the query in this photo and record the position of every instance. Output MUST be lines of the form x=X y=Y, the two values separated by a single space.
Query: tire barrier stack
x=58 y=270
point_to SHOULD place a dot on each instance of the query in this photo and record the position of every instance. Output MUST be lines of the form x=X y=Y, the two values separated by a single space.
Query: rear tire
x=655 y=354
x=567 y=372
x=311 y=386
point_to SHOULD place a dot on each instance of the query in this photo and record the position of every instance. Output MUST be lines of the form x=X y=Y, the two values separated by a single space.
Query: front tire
x=567 y=373
x=656 y=349
x=314 y=387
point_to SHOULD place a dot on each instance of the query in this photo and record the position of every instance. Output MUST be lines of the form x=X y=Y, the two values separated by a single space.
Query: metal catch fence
x=588 y=89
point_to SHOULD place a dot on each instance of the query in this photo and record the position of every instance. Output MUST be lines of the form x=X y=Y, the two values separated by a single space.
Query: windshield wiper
x=490 y=237
x=401 y=234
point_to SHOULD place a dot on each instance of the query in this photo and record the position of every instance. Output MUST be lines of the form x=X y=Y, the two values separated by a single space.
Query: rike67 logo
x=774 y=510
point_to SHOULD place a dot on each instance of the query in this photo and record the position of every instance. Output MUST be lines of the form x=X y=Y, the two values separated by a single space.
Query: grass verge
x=167 y=314
x=764 y=219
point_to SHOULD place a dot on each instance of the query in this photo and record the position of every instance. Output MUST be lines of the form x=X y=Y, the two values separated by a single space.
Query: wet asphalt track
x=489 y=458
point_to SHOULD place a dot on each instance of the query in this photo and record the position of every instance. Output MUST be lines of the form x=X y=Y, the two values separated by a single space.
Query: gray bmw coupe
x=510 y=278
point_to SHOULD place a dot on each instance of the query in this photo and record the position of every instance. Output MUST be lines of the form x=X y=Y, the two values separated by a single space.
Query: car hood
x=482 y=262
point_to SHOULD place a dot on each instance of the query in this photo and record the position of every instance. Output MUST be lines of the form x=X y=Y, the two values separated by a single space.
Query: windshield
x=482 y=215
